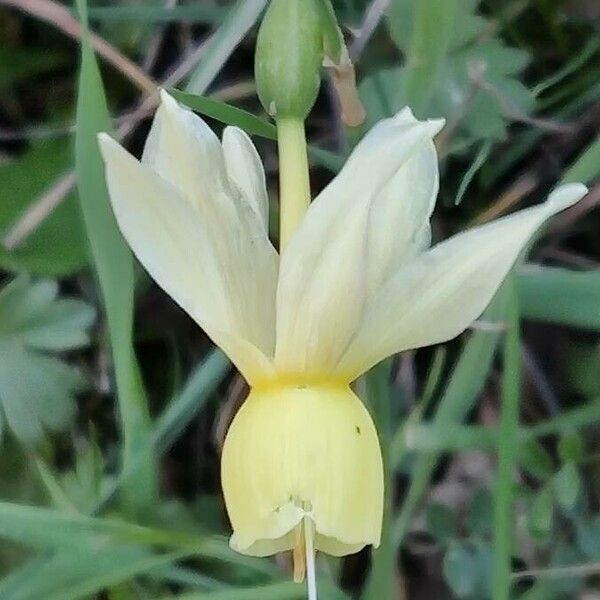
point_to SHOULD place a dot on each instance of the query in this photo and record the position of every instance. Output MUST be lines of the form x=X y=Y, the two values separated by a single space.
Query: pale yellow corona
x=356 y=282
x=303 y=451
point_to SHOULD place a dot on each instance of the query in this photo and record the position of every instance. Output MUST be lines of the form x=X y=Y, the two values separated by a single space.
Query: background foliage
x=113 y=405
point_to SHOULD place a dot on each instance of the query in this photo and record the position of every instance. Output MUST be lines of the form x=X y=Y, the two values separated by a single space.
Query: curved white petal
x=245 y=171
x=437 y=295
x=216 y=270
x=372 y=216
x=184 y=151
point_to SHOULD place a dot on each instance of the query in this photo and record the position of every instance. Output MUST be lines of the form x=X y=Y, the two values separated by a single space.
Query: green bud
x=289 y=55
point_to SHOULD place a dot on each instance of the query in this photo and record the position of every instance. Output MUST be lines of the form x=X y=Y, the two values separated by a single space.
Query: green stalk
x=113 y=262
x=507 y=451
x=294 y=184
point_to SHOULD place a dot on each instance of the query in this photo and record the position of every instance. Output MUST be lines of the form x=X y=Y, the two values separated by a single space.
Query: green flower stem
x=294 y=183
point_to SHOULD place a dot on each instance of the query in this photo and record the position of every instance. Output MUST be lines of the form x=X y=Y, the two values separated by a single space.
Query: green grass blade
x=479 y=160
x=381 y=579
x=467 y=380
x=226 y=113
x=175 y=418
x=576 y=418
x=114 y=267
x=587 y=166
x=77 y=574
x=276 y=591
x=200 y=386
x=560 y=296
x=507 y=452
x=158 y=14
x=48 y=529
x=235 y=26
x=109 y=567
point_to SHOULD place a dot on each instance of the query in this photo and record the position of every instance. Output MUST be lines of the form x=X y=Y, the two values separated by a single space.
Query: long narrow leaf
x=383 y=560
x=507 y=452
x=230 y=115
x=560 y=296
x=114 y=266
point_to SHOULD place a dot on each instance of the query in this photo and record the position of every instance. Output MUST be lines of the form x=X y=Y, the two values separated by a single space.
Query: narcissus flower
x=357 y=282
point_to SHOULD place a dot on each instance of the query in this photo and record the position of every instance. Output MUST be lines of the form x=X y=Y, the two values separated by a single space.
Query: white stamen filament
x=311 y=579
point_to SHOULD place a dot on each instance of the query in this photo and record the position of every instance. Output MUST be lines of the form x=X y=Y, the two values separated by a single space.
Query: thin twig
x=540 y=380
x=511 y=197
x=60 y=17
x=40 y=209
x=373 y=16
x=37 y=212
x=156 y=41
x=556 y=572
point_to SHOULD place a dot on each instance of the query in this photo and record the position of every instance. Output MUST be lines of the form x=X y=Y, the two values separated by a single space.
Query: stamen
x=311 y=579
x=299 y=554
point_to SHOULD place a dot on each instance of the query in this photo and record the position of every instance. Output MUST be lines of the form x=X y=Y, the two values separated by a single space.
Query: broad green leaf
x=451 y=71
x=19 y=63
x=58 y=245
x=560 y=296
x=536 y=460
x=114 y=266
x=541 y=514
x=402 y=20
x=479 y=518
x=432 y=29
x=37 y=389
x=460 y=569
x=226 y=113
x=441 y=522
x=567 y=485
x=588 y=537
x=570 y=447
x=587 y=166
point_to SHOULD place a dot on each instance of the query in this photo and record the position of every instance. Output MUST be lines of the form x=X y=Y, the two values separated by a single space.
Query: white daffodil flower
x=358 y=282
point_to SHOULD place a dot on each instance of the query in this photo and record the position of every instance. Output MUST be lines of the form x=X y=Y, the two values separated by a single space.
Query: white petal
x=437 y=295
x=224 y=279
x=313 y=327
x=399 y=218
x=245 y=171
x=370 y=217
x=182 y=149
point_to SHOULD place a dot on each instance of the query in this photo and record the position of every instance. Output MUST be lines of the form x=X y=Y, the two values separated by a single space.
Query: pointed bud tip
x=106 y=143
x=405 y=116
x=565 y=196
x=168 y=103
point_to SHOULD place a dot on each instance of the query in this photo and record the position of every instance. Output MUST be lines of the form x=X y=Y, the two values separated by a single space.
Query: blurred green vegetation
x=113 y=405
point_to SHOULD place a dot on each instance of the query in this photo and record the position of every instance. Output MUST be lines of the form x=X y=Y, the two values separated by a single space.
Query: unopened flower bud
x=289 y=55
